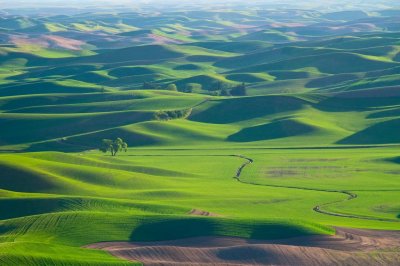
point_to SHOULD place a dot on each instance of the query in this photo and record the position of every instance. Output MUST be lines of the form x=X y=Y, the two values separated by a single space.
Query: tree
x=174 y=114
x=188 y=88
x=113 y=146
x=172 y=87
x=225 y=92
x=239 y=90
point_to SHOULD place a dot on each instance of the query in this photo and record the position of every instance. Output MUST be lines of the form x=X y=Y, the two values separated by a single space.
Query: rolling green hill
x=279 y=122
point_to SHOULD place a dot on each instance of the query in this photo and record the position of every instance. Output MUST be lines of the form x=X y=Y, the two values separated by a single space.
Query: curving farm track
x=317 y=208
x=347 y=247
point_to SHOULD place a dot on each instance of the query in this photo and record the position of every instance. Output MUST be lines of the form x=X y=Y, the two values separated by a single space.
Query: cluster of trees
x=221 y=89
x=218 y=88
x=153 y=86
x=174 y=114
x=113 y=146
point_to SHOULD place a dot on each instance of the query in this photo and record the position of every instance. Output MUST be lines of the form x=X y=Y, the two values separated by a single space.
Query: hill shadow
x=130 y=71
x=330 y=80
x=358 y=100
x=174 y=228
x=274 y=130
x=159 y=228
x=50 y=127
x=18 y=179
x=240 y=109
x=91 y=140
x=385 y=113
x=54 y=71
x=381 y=133
x=397 y=57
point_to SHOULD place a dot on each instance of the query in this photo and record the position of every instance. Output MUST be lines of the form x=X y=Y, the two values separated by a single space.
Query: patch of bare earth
x=25 y=40
x=62 y=42
x=347 y=247
x=48 y=41
x=163 y=40
x=202 y=213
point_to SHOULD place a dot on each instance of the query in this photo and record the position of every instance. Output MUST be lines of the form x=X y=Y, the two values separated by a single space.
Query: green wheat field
x=282 y=123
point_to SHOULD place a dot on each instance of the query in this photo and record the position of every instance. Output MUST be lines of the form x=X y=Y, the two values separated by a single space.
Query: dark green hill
x=130 y=71
x=333 y=63
x=239 y=109
x=380 y=133
x=45 y=127
x=346 y=15
x=146 y=53
x=275 y=130
x=234 y=47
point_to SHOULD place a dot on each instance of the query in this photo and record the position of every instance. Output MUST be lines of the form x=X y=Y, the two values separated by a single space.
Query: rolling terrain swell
x=246 y=133
x=347 y=247
x=317 y=208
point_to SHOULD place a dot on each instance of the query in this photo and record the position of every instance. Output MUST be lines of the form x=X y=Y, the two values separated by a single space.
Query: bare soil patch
x=202 y=213
x=347 y=247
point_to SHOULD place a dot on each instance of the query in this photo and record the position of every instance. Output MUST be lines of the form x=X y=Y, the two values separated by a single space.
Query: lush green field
x=313 y=142
x=68 y=200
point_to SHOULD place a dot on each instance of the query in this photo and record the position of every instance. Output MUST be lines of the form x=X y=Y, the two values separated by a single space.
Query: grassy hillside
x=141 y=197
x=281 y=123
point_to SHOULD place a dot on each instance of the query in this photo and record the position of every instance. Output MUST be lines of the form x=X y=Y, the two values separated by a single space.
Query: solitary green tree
x=113 y=146
x=172 y=87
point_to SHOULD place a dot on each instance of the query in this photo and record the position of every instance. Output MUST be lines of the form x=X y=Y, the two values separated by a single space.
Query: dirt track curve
x=317 y=208
x=348 y=247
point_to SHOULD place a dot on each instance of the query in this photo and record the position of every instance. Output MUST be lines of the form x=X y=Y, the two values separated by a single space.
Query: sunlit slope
x=313 y=143
x=76 y=122
x=337 y=63
x=146 y=195
x=58 y=117
x=125 y=197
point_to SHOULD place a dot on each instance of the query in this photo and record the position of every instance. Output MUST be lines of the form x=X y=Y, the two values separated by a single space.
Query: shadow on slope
x=361 y=99
x=333 y=63
x=13 y=177
x=274 y=130
x=8 y=103
x=49 y=127
x=181 y=227
x=45 y=87
x=386 y=113
x=381 y=133
x=57 y=71
x=330 y=80
x=239 y=109
x=130 y=71
x=18 y=207
x=91 y=140
x=135 y=53
x=208 y=82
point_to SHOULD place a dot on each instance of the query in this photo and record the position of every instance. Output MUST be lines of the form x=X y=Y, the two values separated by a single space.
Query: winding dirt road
x=317 y=208
x=348 y=247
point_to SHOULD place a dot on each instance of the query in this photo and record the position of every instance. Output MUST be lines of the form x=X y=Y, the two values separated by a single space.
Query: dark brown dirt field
x=347 y=247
